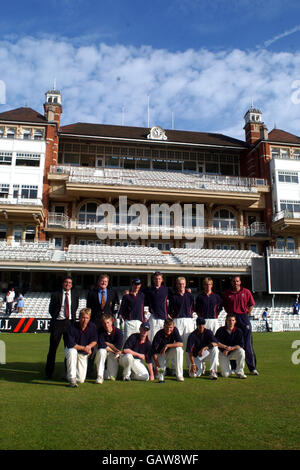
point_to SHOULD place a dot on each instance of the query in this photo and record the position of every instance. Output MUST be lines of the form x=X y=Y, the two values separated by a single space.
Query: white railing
x=23 y=201
x=282 y=252
x=61 y=220
x=286 y=214
x=157 y=178
x=17 y=137
x=58 y=219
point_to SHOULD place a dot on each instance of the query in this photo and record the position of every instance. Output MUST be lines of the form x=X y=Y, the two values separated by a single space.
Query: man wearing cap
x=202 y=346
x=132 y=309
x=156 y=298
x=137 y=349
x=110 y=340
x=167 y=345
x=208 y=305
x=231 y=346
x=239 y=300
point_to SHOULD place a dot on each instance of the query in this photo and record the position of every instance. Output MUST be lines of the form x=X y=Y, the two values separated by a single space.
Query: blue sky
x=201 y=62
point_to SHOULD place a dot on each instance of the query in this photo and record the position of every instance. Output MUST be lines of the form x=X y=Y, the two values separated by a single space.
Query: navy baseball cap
x=136 y=280
x=200 y=321
x=145 y=325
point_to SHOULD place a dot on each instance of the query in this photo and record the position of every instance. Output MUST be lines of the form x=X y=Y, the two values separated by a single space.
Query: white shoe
x=99 y=380
x=127 y=378
x=213 y=375
x=254 y=372
x=180 y=378
x=241 y=376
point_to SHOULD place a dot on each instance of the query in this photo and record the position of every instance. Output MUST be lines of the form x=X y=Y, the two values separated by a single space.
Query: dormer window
x=296 y=154
x=26 y=134
x=11 y=133
x=38 y=135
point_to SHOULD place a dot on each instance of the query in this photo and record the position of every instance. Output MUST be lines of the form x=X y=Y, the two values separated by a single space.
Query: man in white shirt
x=10 y=297
x=62 y=308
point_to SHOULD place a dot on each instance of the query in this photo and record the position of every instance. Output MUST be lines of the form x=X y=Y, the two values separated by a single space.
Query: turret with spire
x=255 y=129
x=52 y=105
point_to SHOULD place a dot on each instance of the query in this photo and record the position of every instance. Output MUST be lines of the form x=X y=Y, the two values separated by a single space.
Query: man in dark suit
x=101 y=300
x=62 y=308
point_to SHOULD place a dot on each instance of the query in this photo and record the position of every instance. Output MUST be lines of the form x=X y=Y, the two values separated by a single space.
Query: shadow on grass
x=31 y=373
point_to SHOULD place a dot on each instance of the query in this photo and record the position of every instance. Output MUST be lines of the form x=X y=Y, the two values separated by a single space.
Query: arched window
x=18 y=231
x=290 y=244
x=285 y=244
x=224 y=219
x=280 y=243
x=87 y=214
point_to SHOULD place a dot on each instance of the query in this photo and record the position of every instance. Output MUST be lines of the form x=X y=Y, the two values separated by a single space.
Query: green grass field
x=258 y=413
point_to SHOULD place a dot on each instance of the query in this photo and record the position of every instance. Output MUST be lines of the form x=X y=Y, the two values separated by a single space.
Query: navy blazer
x=93 y=303
x=56 y=302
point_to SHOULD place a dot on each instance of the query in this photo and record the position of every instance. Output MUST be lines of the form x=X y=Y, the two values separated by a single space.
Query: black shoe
x=73 y=384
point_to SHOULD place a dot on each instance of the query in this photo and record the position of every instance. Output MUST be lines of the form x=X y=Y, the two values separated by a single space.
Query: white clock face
x=157 y=133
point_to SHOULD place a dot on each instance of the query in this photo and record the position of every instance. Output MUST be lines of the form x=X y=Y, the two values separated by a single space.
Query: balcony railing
x=63 y=221
x=283 y=252
x=22 y=201
x=286 y=214
x=27 y=137
x=108 y=176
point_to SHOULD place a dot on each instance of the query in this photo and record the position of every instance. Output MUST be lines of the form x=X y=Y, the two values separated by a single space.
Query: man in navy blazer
x=100 y=305
x=62 y=308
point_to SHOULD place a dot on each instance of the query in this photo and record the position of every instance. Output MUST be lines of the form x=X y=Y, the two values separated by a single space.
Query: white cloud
x=206 y=91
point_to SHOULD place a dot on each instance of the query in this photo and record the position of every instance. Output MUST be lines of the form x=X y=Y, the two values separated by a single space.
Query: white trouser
x=155 y=326
x=76 y=365
x=185 y=327
x=212 y=358
x=238 y=355
x=112 y=364
x=176 y=356
x=133 y=365
x=131 y=327
x=212 y=324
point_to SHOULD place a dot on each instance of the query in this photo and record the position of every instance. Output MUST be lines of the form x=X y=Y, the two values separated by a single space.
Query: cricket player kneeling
x=80 y=338
x=202 y=346
x=137 y=349
x=231 y=347
x=110 y=341
x=167 y=345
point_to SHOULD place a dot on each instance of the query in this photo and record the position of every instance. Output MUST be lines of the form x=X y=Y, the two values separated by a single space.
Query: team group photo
x=149 y=229
x=177 y=329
